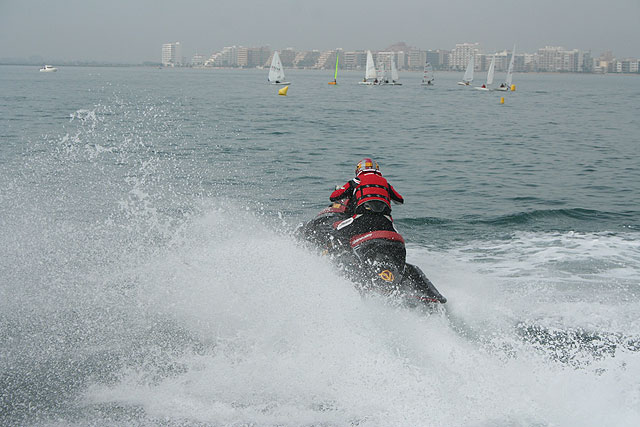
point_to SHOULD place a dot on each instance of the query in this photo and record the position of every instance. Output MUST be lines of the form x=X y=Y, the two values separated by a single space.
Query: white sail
x=509 y=79
x=427 y=77
x=492 y=66
x=276 y=73
x=394 y=71
x=468 y=74
x=371 y=68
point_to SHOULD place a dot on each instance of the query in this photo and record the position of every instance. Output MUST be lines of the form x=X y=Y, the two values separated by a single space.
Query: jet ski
x=374 y=260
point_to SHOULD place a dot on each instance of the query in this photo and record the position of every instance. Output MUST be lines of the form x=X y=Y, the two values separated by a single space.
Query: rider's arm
x=342 y=192
x=395 y=196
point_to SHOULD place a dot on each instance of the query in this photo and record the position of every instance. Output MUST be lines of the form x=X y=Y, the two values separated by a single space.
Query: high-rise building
x=416 y=59
x=549 y=58
x=460 y=55
x=171 y=54
x=242 y=57
x=354 y=60
x=439 y=59
x=258 y=56
x=481 y=62
x=587 y=62
x=502 y=60
x=402 y=60
x=528 y=62
x=227 y=57
x=287 y=56
x=556 y=58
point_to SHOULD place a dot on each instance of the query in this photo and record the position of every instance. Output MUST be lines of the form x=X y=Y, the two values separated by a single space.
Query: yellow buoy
x=502 y=100
x=513 y=88
x=283 y=91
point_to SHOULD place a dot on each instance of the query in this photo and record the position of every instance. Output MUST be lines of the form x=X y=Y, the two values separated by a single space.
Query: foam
x=289 y=342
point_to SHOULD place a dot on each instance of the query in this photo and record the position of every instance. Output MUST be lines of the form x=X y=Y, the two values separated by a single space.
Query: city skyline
x=545 y=59
x=131 y=33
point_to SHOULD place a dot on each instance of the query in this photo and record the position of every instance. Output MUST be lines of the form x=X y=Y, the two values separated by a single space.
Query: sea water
x=148 y=272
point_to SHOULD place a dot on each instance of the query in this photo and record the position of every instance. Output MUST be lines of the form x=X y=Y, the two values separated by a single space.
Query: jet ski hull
x=375 y=260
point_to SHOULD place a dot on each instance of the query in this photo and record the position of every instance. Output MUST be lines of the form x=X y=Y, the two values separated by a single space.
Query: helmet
x=367 y=165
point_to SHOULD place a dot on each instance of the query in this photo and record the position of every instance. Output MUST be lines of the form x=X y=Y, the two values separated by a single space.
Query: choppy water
x=145 y=276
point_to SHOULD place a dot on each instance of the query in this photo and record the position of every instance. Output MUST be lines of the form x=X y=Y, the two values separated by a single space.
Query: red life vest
x=372 y=187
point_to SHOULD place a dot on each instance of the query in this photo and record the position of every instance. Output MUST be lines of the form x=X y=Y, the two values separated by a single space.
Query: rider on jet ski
x=369 y=200
x=357 y=232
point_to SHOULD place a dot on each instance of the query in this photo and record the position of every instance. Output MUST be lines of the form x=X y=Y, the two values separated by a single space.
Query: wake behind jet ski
x=358 y=232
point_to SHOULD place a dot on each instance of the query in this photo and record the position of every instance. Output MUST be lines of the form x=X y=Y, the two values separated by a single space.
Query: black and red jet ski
x=374 y=259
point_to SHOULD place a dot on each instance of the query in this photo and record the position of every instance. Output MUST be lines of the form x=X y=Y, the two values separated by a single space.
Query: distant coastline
x=239 y=69
x=35 y=63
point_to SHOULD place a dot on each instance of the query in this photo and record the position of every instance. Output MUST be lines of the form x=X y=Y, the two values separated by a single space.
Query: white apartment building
x=556 y=58
x=401 y=59
x=548 y=58
x=171 y=54
x=502 y=60
x=227 y=57
x=459 y=57
x=242 y=56
x=629 y=65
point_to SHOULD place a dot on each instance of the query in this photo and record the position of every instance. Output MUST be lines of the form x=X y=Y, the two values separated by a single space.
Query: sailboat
x=509 y=80
x=335 y=76
x=370 y=76
x=276 y=73
x=468 y=74
x=428 y=78
x=489 y=82
x=394 y=74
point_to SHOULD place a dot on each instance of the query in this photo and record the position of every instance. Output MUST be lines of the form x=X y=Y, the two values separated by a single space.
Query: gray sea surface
x=148 y=272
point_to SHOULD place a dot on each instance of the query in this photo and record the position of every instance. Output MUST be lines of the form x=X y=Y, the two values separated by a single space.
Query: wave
x=579 y=214
x=577 y=219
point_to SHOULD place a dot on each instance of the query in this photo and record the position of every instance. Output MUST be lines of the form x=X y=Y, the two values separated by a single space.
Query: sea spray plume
x=83 y=208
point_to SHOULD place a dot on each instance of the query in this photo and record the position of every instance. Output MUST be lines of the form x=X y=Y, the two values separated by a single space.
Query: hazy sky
x=134 y=30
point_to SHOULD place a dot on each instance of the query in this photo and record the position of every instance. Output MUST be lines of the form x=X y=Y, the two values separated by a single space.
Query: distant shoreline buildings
x=546 y=59
x=172 y=55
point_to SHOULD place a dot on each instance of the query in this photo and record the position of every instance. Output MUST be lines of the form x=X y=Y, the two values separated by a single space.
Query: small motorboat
x=48 y=69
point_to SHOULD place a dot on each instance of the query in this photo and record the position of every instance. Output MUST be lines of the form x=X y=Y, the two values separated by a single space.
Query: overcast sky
x=134 y=30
